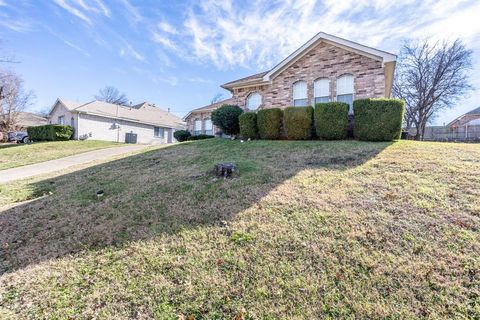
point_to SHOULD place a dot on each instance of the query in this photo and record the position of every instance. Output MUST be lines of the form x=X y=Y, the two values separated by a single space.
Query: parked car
x=19 y=137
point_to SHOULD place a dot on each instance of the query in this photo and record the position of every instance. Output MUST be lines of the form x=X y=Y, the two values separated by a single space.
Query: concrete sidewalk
x=32 y=170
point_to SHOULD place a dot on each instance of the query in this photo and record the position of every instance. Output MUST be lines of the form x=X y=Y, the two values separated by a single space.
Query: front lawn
x=309 y=230
x=16 y=155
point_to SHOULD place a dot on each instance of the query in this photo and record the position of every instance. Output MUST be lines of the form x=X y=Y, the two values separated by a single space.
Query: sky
x=176 y=54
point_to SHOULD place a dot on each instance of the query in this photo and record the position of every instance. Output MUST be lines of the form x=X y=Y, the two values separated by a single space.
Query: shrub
x=269 y=123
x=181 y=135
x=378 y=119
x=248 y=125
x=200 y=137
x=331 y=120
x=298 y=122
x=226 y=118
x=50 y=132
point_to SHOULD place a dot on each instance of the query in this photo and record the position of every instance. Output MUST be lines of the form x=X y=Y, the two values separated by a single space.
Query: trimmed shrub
x=269 y=123
x=50 y=132
x=378 y=119
x=298 y=122
x=331 y=120
x=181 y=135
x=226 y=118
x=248 y=125
x=200 y=137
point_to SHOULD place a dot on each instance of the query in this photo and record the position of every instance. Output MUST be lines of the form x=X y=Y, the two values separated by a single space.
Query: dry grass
x=309 y=230
x=16 y=155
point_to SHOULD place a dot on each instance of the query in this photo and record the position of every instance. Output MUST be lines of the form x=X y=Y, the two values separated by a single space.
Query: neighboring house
x=28 y=119
x=199 y=120
x=98 y=120
x=470 y=118
x=326 y=68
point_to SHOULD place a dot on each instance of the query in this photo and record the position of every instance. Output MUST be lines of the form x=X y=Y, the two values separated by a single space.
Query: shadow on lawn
x=158 y=192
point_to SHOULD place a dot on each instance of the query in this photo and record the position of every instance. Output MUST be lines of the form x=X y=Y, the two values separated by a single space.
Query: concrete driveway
x=63 y=163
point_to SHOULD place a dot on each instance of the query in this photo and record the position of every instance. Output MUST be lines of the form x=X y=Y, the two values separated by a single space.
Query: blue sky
x=177 y=53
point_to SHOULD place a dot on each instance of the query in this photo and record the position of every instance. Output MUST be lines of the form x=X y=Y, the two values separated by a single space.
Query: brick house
x=326 y=68
x=468 y=119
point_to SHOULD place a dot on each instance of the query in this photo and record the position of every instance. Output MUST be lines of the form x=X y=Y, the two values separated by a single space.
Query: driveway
x=63 y=163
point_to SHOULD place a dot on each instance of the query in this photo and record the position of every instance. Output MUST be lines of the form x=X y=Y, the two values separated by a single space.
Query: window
x=208 y=127
x=321 y=88
x=72 y=122
x=345 y=90
x=300 y=97
x=61 y=120
x=197 y=127
x=254 y=101
x=158 y=132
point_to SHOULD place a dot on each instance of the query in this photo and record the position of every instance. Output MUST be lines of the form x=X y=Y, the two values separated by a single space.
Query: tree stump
x=224 y=170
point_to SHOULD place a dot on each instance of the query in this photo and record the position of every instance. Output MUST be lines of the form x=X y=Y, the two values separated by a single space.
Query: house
x=28 y=119
x=98 y=120
x=470 y=118
x=326 y=68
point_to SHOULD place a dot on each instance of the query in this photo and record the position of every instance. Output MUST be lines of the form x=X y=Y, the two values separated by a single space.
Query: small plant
x=378 y=119
x=181 y=135
x=239 y=237
x=331 y=120
x=248 y=125
x=269 y=123
x=226 y=118
x=298 y=122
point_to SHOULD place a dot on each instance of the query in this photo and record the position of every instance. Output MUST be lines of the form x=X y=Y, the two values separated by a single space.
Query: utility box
x=130 y=137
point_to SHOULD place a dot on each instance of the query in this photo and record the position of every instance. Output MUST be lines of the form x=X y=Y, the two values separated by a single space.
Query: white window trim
x=249 y=96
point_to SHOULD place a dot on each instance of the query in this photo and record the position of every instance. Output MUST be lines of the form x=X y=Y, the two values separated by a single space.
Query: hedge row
x=375 y=120
x=378 y=119
x=269 y=123
x=50 y=132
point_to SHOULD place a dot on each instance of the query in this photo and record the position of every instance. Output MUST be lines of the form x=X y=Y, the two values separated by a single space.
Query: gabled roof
x=28 y=119
x=265 y=77
x=142 y=113
x=209 y=107
x=473 y=112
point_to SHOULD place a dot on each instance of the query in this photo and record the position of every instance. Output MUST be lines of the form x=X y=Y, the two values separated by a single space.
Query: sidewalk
x=63 y=163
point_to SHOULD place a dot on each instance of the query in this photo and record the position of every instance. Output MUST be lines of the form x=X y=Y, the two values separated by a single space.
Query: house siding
x=101 y=128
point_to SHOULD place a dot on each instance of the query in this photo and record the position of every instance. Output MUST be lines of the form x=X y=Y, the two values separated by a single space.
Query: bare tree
x=431 y=78
x=218 y=97
x=13 y=99
x=112 y=95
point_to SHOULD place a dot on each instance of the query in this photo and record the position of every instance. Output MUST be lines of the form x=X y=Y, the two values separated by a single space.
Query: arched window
x=321 y=88
x=197 y=127
x=254 y=101
x=300 y=96
x=208 y=127
x=345 y=90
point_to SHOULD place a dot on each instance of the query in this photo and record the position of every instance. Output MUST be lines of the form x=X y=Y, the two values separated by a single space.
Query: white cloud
x=71 y=45
x=171 y=80
x=164 y=41
x=133 y=15
x=73 y=10
x=3 y=3
x=128 y=50
x=261 y=34
x=166 y=27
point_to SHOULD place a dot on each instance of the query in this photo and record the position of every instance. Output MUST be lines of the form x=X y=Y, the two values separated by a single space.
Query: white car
x=19 y=137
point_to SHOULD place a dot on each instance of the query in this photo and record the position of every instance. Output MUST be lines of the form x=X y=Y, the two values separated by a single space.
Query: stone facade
x=323 y=61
